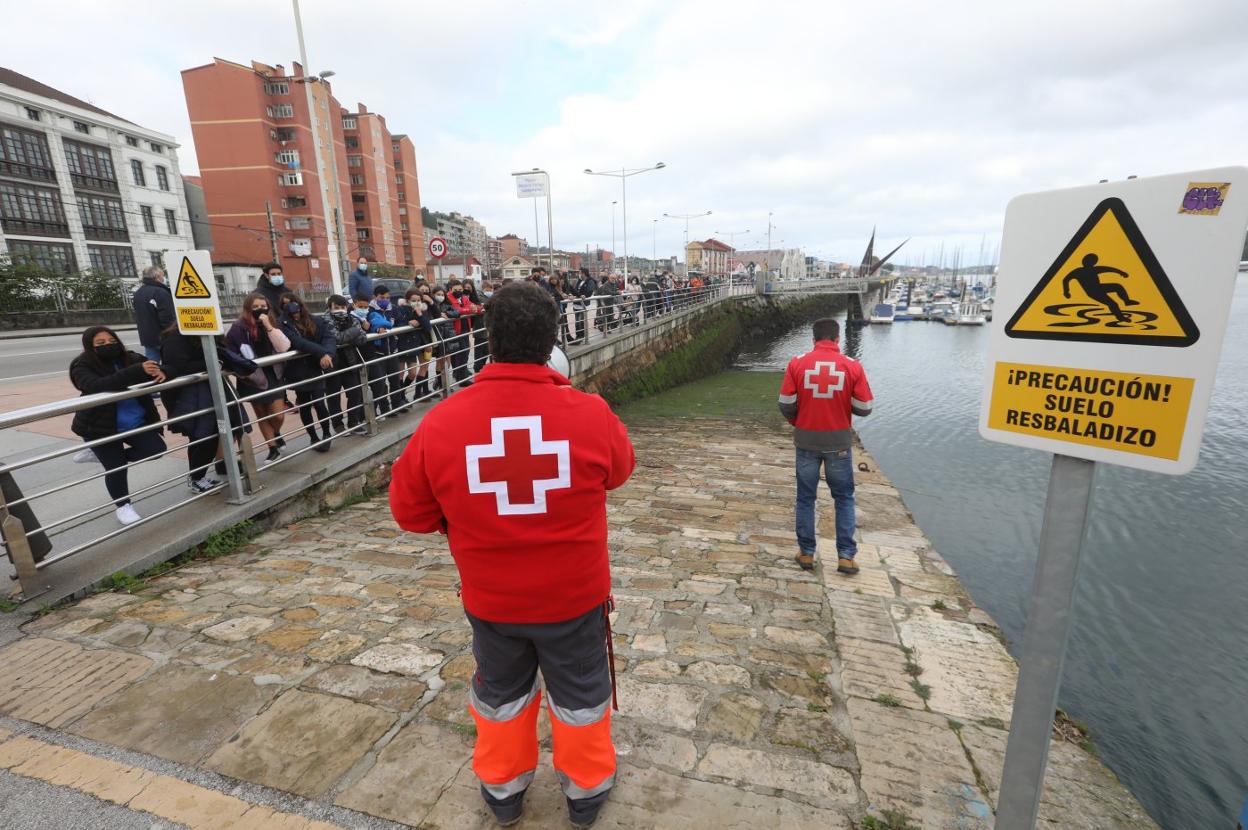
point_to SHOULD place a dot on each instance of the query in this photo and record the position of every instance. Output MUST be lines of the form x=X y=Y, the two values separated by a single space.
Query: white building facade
x=81 y=188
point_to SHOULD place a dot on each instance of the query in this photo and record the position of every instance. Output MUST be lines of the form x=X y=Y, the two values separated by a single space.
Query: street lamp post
x=613 y=204
x=732 y=236
x=623 y=175
x=686 y=217
x=331 y=245
x=654 y=245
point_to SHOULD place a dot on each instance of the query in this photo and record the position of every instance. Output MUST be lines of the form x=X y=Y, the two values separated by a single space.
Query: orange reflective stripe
x=585 y=754
x=506 y=749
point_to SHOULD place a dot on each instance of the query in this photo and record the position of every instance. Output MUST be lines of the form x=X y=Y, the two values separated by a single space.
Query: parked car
x=396 y=285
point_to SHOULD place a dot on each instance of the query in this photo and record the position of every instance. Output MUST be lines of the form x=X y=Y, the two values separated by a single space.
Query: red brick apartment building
x=254 y=140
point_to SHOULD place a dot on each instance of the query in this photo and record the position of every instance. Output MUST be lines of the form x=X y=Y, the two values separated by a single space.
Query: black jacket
x=586 y=288
x=271 y=292
x=311 y=349
x=153 y=311
x=349 y=336
x=101 y=421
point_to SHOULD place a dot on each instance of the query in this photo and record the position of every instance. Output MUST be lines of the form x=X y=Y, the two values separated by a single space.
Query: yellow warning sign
x=189 y=285
x=1142 y=414
x=1106 y=286
x=193 y=319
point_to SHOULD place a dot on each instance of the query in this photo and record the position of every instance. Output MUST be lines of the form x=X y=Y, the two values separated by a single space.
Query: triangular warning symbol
x=1106 y=286
x=190 y=286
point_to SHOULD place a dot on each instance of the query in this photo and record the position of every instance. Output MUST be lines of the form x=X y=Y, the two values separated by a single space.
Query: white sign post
x=534 y=185
x=1108 y=320
x=197 y=302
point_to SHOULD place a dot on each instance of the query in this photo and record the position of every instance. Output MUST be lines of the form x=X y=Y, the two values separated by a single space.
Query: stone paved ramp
x=330 y=659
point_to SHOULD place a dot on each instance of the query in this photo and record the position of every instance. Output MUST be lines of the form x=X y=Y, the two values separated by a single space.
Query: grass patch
x=122 y=583
x=921 y=689
x=222 y=543
x=359 y=498
x=889 y=819
x=939 y=605
x=885 y=699
x=815 y=707
x=913 y=669
x=466 y=729
x=7 y=606
x=45 y=609
x=733 y=394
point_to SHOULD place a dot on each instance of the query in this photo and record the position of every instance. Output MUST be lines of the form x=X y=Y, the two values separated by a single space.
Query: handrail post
x=225 y=435
x=20 y=555
x=366 y=395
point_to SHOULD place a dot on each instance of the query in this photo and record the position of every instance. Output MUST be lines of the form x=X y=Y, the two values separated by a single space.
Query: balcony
x=82 y=181
x=34 y=227
x=22 y=170
x=105 y=234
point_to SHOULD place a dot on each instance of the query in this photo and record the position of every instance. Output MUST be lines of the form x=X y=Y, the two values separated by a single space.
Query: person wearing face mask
x=348 y=338
x=313 y=339
x=358 y=281
x=256 y=334
x=466 y=309
x=414 y=312
x=384 y=369
x=105 y=365
x=272 y=284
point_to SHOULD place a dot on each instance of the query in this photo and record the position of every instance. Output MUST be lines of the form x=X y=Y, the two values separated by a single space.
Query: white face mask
x=363 y=266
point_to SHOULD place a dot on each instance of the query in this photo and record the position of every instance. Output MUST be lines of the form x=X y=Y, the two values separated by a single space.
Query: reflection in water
x=1158 y=657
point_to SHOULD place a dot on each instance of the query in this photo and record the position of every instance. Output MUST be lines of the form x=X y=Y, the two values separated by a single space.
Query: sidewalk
x=329 y=660
x=20 y=334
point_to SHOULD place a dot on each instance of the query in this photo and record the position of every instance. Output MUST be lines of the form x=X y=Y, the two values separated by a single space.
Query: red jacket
x=465 y=307
x=822 y=391
x=515 y=469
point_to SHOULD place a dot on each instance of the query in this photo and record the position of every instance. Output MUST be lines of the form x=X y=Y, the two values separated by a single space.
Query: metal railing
x=382 y=378
x=50 y=512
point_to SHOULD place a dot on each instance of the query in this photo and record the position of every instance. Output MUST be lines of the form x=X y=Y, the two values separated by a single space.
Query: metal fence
x=50 y=512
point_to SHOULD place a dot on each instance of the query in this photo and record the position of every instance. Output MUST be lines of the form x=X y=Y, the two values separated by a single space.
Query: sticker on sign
x=1109 y=315
x=195 y=296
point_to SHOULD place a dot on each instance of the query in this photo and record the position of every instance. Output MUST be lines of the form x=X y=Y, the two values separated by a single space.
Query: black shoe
x=281 y=442
x=583 y=812
x=337 y=426
x=274 y=454
x=508 y=811
x=220 y=467
x=322 y=445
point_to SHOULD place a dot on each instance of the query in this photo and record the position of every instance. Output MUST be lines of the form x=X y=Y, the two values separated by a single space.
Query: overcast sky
x=922 y=118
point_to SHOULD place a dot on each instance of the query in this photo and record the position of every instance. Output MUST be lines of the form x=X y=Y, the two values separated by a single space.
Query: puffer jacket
x=101 y=421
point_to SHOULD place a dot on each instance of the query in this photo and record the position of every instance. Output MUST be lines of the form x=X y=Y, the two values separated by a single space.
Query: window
x=401 y=196
x=359 y=216
x=277 y=88
x=157 y=148
x=102 y=218
x=284 y=133
x=402 y=210
x=82 y=127
x=357 y=179
x=158 y=259
x=398 y=178
x=55 y=256
x=299 y=223
x=25 y=154
x=359 y=198
x=352 y=143
x=113 y=260
x=171 y=221
x=162 y=177
x=34 y=211
x=355 y=161
x=294 y=202
x=290 y=179
x=398 y=164
x=347 y=123
x=136 y=172
x=132 y=141
x=280 y=111
x=149 y=221
x=90 y=166
x=362 y=233
x=288 y=157
x=32 y=114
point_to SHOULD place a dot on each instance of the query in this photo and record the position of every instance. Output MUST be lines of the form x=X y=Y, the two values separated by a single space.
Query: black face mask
x=457 y=291
x=339 y=314
x=259 y=312
x=292 y=308
x=109 y=352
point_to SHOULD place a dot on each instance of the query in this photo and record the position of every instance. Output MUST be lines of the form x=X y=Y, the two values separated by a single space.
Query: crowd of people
x=441 y=336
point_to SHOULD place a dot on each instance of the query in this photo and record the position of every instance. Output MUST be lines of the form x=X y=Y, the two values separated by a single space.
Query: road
x=29 y=359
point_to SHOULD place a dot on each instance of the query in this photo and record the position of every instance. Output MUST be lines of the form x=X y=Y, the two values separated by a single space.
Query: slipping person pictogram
x=1089 y=278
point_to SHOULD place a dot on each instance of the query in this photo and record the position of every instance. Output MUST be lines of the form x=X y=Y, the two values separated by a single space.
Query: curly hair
x=522 y=322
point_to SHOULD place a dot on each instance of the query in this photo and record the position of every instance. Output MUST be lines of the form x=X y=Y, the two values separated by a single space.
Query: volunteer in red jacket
x=515 y=470
x=822 y=391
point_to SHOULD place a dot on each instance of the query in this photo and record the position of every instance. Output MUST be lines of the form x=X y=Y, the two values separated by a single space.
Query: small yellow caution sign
x=1106 y=286
x=189 y=285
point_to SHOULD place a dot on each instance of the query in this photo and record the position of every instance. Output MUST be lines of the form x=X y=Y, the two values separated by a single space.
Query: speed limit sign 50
x=437 y=247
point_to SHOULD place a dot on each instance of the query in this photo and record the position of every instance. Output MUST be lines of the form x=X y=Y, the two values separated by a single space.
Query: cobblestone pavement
x=329 y=660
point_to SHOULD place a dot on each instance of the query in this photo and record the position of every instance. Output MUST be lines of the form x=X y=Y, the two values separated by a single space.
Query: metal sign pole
x=1044 y=641
x=219 y=404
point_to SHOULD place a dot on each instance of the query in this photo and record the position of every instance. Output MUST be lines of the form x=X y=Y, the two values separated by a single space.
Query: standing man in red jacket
x=515 y=470
x=822 y=391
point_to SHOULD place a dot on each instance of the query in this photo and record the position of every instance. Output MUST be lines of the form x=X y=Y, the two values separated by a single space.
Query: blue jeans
x=838 y=468
x=152 y=353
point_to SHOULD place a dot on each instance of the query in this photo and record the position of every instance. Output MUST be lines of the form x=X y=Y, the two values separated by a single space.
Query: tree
x=30 y=287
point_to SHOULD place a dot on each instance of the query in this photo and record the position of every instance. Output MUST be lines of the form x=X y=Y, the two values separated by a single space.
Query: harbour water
x=1157 y=666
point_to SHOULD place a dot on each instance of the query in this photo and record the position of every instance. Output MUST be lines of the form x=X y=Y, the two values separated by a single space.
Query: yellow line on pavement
x=140 y=789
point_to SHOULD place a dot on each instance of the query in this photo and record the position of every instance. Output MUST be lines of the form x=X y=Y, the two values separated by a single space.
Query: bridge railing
x=50 y=511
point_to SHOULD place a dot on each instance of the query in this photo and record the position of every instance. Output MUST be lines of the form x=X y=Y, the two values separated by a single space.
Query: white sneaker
x=85 y=457
x=127 y=515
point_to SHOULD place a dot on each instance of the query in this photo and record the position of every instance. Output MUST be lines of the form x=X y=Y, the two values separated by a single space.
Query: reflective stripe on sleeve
x=788 y=399
x=857 y=404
